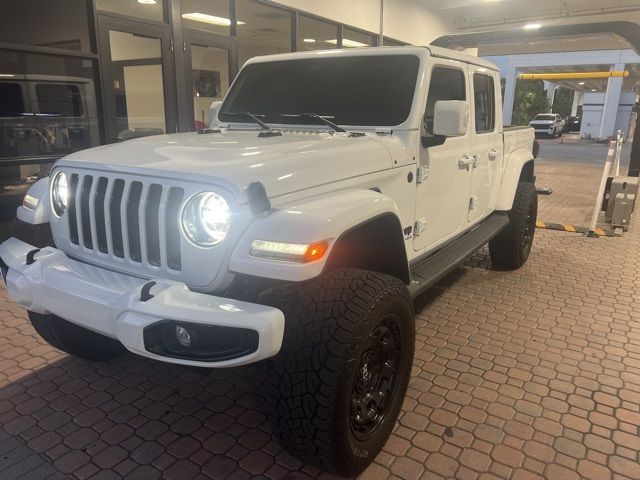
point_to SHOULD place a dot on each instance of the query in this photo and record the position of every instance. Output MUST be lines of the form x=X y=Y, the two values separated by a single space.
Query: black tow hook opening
x=194 y=341
x=145 y=292
x=31 y=256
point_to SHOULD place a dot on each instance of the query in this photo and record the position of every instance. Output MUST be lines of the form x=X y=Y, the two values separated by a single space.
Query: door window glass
x=11 y=101
x=147 y=9
x=261 y=30
x=59 y=100
x=354 y=39
x=484 y=100
x=208 y=15
x=210 y=74
x=446 y=84
x=315 y=34
x=136 y=64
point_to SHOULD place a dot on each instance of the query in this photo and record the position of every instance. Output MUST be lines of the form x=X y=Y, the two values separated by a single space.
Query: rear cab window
x=484 y=102
x=59 y=99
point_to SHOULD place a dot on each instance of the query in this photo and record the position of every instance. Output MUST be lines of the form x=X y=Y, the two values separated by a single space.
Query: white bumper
x=110 y=303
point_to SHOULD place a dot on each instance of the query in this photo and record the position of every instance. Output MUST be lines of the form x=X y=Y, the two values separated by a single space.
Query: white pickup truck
x=548 y=124
x=331 y=189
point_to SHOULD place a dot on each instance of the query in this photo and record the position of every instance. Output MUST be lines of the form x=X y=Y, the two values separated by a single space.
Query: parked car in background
x=325 y=196
x=573 y=124
x=548 y=124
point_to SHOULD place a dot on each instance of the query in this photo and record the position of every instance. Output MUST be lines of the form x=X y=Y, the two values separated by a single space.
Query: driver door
x=442 y=201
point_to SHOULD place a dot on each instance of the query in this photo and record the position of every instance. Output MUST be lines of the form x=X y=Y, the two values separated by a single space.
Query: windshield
x=545 y=117
x=365 y=90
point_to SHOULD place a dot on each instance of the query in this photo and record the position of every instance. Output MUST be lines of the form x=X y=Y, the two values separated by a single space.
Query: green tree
x=530 y=100
x=562 y=101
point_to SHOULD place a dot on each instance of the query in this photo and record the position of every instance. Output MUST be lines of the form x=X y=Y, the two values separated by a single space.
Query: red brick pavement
x=517 y=375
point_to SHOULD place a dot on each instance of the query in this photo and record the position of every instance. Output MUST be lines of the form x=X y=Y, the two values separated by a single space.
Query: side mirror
x=213 y=111
x=450 y=118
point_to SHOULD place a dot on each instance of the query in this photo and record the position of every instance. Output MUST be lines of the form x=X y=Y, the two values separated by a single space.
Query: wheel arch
x=519 y=167
x=376 y=244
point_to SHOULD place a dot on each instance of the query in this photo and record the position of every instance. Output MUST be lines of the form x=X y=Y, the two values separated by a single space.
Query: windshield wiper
x=320 y=118
x=266 y=129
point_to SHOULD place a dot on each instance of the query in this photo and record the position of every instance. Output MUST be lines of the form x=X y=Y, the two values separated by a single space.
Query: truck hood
x=541 y=122
x=233 y=159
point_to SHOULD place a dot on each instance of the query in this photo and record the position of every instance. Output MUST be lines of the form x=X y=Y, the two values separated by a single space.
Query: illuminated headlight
x=206 y=219
x=59 y=193
x=30 y=202
x=291 y=252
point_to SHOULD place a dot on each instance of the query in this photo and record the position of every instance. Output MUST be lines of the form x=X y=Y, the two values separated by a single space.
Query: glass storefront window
x=208 y=15
x=146 y=9
x=315 y=34
x=261 y=30
x=138 y=82
x=355 y=38
x=210 y=72
x=52 y=23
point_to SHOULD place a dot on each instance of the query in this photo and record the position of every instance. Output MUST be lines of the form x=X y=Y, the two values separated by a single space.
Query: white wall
x=410 y=21
x=592 y=113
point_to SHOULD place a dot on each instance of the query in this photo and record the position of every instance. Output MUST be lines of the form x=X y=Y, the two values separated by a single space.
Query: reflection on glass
x=315 y=34
x=354 y=39
x=52 y=23
x=209 y=15
x=261 y=30
x=210 y=72
x=136 y=64
x=147 y=9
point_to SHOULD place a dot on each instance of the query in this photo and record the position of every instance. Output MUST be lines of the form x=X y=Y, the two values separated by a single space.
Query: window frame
x=492 y=90
x=465 y=89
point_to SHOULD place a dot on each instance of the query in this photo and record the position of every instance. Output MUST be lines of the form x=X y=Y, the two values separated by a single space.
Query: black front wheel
x=511 y=248
x=344 y=367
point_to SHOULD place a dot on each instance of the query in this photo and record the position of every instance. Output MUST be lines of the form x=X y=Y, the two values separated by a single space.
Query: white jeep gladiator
x=331 y=189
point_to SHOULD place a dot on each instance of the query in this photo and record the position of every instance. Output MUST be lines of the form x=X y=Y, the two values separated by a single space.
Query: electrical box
x=624 y=185
x=622 y=210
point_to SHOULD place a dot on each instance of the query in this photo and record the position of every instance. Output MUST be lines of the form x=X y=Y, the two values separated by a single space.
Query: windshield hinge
x=420 y=226
x=171 y=44
x=383 y=131
x=421 y=174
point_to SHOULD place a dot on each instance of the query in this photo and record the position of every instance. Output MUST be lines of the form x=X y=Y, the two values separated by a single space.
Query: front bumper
x=114 y=305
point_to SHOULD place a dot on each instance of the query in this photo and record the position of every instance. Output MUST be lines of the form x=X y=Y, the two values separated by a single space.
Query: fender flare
x=515 y=164
x=321 y=218
x=39 y=216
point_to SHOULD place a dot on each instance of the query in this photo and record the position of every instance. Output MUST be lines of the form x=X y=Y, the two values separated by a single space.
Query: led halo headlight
x=59 y=193
x=206 y=219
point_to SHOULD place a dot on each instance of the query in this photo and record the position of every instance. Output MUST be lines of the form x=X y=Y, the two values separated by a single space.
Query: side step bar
x=425 y=273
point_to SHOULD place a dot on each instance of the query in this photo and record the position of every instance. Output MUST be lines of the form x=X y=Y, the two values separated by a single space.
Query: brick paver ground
x=517 y=375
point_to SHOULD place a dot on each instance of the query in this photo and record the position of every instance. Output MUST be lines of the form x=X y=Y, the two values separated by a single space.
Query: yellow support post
x=571 y=75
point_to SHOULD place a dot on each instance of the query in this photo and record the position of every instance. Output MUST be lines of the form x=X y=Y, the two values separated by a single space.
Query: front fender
x=39 y=214
x=514 y=164
x=320 y=218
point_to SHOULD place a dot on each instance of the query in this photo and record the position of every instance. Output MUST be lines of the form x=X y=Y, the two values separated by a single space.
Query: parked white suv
x=332 y=188
x=548 y=124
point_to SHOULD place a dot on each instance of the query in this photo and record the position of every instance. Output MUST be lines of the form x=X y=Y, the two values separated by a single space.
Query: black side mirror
x=432 y=140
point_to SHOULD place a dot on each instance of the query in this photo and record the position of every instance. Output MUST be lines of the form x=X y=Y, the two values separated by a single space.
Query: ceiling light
x=347 y=43
x=7 y=75
x=211 y=19
x=147 y=2
x=580 y=83
x=532 y=26
x=593 y=90
x=309 y=40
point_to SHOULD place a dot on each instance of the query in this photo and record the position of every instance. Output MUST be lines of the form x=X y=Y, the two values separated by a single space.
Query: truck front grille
x=127 y=219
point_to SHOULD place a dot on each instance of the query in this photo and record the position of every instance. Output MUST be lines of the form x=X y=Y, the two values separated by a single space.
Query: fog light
x=182 y=334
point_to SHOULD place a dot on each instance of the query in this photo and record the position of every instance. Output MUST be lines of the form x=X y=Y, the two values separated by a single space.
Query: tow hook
x=31 y=256
x=145 y=292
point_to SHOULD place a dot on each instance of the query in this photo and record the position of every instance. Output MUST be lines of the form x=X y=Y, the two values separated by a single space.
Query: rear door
x=486 y=142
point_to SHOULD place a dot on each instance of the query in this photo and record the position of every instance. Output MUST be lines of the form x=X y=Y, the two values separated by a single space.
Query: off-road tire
x=511 y=247
x=75 y=340
x=330 y=326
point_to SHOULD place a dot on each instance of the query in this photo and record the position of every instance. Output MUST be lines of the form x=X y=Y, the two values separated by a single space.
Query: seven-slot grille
x=126 y=219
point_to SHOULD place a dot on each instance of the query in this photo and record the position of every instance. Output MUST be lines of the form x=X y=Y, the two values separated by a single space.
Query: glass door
x=208 y=73
x=138 y=84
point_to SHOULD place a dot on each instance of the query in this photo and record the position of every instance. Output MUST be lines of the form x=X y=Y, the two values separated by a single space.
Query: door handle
x=465 y=161
x=493 y=153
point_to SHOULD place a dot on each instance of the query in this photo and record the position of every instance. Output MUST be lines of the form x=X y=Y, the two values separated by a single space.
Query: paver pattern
x=517 y=375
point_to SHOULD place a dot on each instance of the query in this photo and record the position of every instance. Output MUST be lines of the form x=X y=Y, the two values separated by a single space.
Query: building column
x=577 y=100
x=551 y=94
x=509 y=95
x=611 y=103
